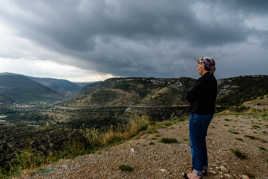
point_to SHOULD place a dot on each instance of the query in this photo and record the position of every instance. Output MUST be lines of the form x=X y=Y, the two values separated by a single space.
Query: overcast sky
x=89 y=40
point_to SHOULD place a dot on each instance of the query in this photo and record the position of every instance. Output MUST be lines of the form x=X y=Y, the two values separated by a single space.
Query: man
x=202 y=97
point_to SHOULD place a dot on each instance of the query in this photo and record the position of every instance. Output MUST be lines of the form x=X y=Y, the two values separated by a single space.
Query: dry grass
x=133 y=127
x=112 y=135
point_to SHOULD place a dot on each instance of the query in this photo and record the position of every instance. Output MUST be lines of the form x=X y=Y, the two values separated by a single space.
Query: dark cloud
x=132 y=38
x=246 y=6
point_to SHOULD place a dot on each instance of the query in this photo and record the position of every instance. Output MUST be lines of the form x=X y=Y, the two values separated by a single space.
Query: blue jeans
x=198 y=131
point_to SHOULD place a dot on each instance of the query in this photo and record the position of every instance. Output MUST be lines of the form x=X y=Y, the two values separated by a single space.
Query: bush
x=262 y=148
x=240 y=139
x=239 y=154
x=169 y=140
x=126 y=168
x=233 y=132
x=251 y=137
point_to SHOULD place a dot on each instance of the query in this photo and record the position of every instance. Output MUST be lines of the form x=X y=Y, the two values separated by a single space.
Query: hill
x=236 y=90
x=99 y=120
x=21 y=89
x=63 y=87
x=166 y=91
x=237 y=148
x=134 y=91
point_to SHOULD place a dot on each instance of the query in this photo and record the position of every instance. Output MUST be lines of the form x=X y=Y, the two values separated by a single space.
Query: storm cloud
x=145 y=38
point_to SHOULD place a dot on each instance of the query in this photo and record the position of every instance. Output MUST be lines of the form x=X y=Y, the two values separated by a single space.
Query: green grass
x=151 y=143
x=265 y=116
x=234 y=132
x=262 y=148
x=126 y=168
x=179 y=119
x=168 y=140
x=239 y=154
x=144 y=127
x=250 y=175
x=228 y=119
x=255 y=138
x=151 y=131
x=256 y=127
x=251 y=137
x=240 y=139
x=168 y=124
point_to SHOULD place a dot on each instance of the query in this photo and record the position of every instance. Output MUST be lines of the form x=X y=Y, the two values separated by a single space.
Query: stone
x=227 y=175
x=163 y=170
x=245 y=177
x=213 y=172
x=223 y=169
x=64 y=167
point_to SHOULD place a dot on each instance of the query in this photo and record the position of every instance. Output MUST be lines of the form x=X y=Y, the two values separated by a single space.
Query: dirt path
x=151 y=158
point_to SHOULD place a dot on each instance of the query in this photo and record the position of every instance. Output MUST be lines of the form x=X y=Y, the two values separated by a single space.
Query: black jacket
x=202 y=96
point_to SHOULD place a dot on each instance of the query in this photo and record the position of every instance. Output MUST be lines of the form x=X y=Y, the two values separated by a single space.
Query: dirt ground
x=150 y=158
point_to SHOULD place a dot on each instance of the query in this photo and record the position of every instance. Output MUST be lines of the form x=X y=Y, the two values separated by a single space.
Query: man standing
x=202 y=97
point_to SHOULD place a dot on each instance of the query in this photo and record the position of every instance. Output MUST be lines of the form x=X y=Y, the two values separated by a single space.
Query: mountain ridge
x=60 y=87
x=16 y=88
x=166 y=91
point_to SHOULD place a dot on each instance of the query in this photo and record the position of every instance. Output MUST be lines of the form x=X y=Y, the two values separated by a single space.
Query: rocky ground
x=148 y=157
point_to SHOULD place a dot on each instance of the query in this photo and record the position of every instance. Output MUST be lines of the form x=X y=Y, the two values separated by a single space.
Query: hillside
x=97 y=119
x=237 y=148
x=134 y=91
x=258 y=104
x=236 y=90
x=21 y=89
x=166 y=91
x=63 y=87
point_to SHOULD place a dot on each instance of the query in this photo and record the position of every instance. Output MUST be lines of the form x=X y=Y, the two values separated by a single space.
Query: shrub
x=125 y=168
x=233 y=132
x=262 y=148
x=240 y=139
x=152 y=131
x=168 y=124
x=255 y=127
x=251 y=137
x=239 y=154
x=250 y=175
x=181 y=119
x=169 y=140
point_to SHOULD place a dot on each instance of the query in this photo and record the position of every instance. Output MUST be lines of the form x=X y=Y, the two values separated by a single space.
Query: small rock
x=64 y=167
x=132 y=150
x=245 y=177
x=163 y=170
x=213 y=172
x=227 y=175
x=223 y=169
